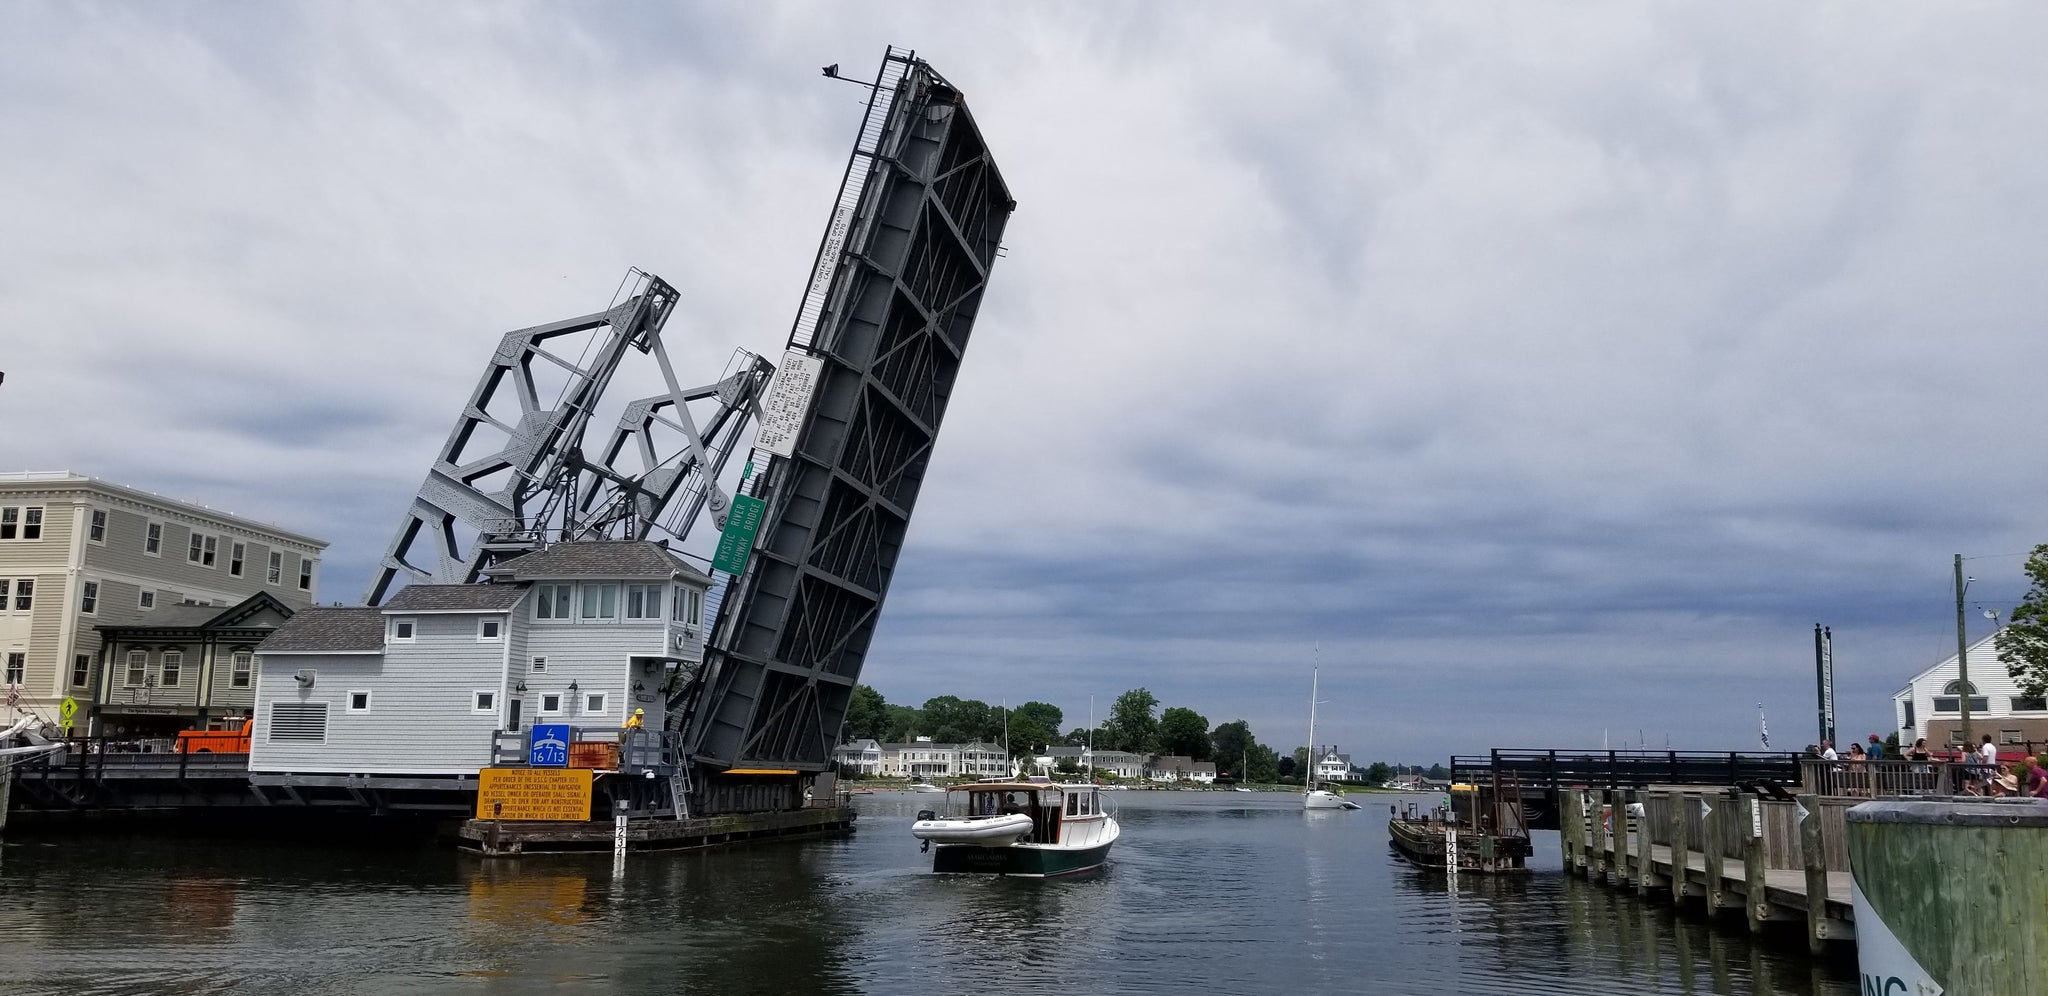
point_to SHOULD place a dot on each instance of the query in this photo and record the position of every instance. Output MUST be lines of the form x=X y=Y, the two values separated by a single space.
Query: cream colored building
x=77 y=553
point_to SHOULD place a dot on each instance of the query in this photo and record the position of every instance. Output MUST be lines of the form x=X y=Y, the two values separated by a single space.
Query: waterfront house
x=1931 y=704
x=183 y=667
x=1333 y=767
x=859 y=758
x=1204 y=773
x=1123 y=764
x=580 y=633
x=78 y=554
x=1170 y=768
x=923 y=760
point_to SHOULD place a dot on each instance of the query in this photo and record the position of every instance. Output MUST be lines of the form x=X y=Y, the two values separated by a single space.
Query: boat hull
x=1024 y=860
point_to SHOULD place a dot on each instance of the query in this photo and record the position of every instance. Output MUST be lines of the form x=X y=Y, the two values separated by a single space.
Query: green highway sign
x=737 y=541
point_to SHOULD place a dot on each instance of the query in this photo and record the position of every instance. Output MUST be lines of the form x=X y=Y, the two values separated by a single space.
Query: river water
x=1206 y=892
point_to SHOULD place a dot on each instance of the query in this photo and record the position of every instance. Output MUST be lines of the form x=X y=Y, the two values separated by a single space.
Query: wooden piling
x=1617 y=803
x=1646 y=867
x=1679 y=856
x=1568 y=828
x=1756 y=899
x=1813 y=855
x=1596 y=870
x=1715 y=826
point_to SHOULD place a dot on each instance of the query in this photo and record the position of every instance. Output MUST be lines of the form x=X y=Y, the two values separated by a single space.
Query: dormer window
x=643 y=601
x=402 y=630
x=551 y=601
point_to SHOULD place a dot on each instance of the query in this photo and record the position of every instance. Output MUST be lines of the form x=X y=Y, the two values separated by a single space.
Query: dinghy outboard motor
x=923 y=815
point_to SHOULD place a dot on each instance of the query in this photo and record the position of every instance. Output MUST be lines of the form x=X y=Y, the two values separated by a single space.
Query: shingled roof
x=456 y=598
x=328 y=630
x=622 y=559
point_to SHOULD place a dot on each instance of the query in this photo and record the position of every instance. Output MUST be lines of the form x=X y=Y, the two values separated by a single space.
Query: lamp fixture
x=519 y=686
x=639 y=686
x=572 y=686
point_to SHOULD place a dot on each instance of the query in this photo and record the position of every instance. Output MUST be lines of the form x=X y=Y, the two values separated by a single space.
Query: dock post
x=1646 y=864
x=1596 y=870
x=1712 y=848
x=1569 y=822
x=1617 y=803
x=1680 y=856
x=6 y=788
x=1756 y=900
x=1813 y=855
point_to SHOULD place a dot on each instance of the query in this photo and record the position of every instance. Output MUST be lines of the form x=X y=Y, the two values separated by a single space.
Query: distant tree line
x=1135 y=723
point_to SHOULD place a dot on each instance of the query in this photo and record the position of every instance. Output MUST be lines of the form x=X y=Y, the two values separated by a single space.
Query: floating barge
x=512 y=838
x=1487 y=837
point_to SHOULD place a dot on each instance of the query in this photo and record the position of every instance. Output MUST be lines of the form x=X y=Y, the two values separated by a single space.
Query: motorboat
x=924 y=787
x=1002 y=828
x=1034 y=829
x=1325 y=799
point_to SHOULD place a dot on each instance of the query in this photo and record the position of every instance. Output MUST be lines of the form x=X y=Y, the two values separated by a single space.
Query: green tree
x=1301 y=760
x=867 y=715
x=1184 y=731
x=1033 y=726
x=2023 y=643
x=951 y=720
x=1378 y=773
x=1437 y=773
x=1262 y=765
x=901 y=723
x=1131 y=725
x=1232 y=742
x=1286 y=768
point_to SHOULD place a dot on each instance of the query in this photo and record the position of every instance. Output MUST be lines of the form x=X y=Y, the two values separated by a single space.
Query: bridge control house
x=581 y=633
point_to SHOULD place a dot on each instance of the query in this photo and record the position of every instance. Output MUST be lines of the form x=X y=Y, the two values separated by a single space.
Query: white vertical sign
x=619 y=835
x=787 y=401
x=1451 y=850
x=828 y=257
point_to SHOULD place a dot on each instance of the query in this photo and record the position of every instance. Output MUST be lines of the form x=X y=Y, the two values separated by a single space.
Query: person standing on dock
x=637 y=720
x=1827 y=751
x=1876 y=751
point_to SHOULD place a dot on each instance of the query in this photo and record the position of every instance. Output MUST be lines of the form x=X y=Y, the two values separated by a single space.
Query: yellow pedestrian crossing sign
x=65 y=712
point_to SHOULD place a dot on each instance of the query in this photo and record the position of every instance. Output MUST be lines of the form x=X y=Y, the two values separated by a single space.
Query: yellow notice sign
x=533 y=794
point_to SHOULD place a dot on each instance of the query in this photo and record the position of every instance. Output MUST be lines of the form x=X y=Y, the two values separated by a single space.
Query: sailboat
x=1313 y=797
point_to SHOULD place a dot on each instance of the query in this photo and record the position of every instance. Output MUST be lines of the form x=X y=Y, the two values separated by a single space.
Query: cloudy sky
x=1544 y=372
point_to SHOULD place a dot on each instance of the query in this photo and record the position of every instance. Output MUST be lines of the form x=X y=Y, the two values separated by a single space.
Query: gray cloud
x=1554 y=368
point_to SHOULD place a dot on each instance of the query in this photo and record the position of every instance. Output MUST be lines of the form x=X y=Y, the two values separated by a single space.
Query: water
x=1206 y=892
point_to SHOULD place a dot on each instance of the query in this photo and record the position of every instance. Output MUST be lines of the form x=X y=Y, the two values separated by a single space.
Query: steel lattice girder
x=896 y=325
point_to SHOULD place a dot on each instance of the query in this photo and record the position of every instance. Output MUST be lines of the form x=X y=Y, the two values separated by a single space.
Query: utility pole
x=1963 y=654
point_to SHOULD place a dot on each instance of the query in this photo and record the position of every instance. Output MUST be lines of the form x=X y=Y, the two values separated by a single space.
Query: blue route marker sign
x=548 y=745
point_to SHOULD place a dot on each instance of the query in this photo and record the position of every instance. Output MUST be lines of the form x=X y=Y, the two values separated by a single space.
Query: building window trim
x=643 y=602
x=16 y=672
x=242 y=668
x=595 y=703
x=89 y=598
x=21 y=523
x=598 y=603
x=170 y=668
x=551 y=704
x=404 y=629
x=145 y=599
x=306 y=565
x=136 y=672
x=276 y=575
x=484 y=700
x=96 y=527
x=81 y=670
x=490 y=630
x=554 y=602
x=238 y=555
x=24 y=595
x=153 y=539
x=359 y=700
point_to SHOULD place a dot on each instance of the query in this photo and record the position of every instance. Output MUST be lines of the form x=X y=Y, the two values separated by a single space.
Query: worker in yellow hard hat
x=637 y=720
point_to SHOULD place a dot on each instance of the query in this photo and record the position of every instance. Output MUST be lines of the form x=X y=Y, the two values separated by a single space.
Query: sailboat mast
x=1308 y=777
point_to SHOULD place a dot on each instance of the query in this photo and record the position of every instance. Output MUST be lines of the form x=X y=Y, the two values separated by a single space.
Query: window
x=197 y=547
x=1956 y=687
x=297 y=722
x=97 y=532
x=81 y=670
x=402 y=630
x=24 y=594
x=359 y=701
x=1952 y=703
x=17 y=667
x=643 y=601
x=550 y=704
x=89 y=597
x=489 y=630
x=594 y=702
x=145 y=599
x=1955 y=737
x=153 y=539
x=600 y=601
x=1074 y=804
x=689 y=607
x=2029 y=703
x=138 y=668
x=18 y=523
x=236 y=554
x=2009 y=736
x=552 y=602
x=485 y=702
x=242 y=669
x=276 y=575
x=1908 y=724
x=171 y=667
x=305 y=574
x=540 y=664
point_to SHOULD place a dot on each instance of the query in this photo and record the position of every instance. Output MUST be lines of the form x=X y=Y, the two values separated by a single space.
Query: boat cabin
x=1049 y=804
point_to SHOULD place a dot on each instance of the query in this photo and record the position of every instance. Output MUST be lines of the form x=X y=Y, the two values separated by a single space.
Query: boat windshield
x=999 y=802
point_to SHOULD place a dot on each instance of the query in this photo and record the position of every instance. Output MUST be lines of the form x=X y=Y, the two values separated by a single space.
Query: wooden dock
x=1773 y=860
x=510 y=838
